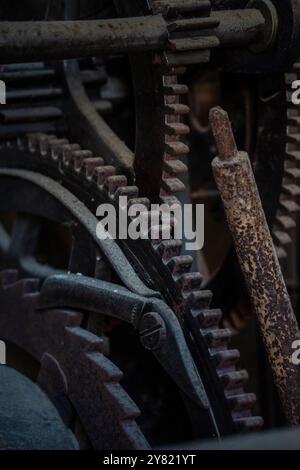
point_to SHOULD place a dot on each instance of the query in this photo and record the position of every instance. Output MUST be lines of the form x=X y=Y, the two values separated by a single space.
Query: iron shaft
x=262 y=272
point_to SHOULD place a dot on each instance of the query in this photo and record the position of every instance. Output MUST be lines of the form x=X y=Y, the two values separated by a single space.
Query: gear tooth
x=90 y=164
x=140 y=201
x=199 y=300
x=289 y=206
x=176 y=109
x=21 y=143
x=249 y=424
x=122 y=403
x=291 y=190
x=170 y=200
x=282 y=238
x=173 y=185
x=225 y=359
x=292 y=174
x=44 y=143
x=207 y=318
x=174 y=167
x=112 y=183
x=8 y=277
x=217 y=338
x=176 y=129
x=293 y=155
x=55 y=147
x=131 y=192
x=175 y=89
x=233 y=380
x=103 y=172
x=242 y=402
x=281 y=253
x=293 y=138
x=180 y=265
x=294 y=120
x=177 y=148
x=66 y=152
x=78 y=157
x=189 y=282
x=33 y=142
x=285 y=222
x=169 y=249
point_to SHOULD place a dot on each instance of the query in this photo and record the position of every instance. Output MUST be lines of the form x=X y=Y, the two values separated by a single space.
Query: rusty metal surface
x=33 y=41
x=259 y=263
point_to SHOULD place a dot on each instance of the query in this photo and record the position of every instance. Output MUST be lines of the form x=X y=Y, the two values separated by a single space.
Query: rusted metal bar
x=44 y=40
x=259 y=262
x=48 y=40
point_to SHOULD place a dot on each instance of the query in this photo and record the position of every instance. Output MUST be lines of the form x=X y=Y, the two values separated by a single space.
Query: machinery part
x=71 y=39
x=40 y=40
x=160 y=265
x=95 y=184
x=260 y=266
x=276 y=59
x=57 y=340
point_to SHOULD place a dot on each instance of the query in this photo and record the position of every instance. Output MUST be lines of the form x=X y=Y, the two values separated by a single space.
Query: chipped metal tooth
x=103 y=172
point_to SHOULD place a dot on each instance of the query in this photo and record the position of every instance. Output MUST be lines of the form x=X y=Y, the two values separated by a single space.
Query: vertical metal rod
x=258 y=260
